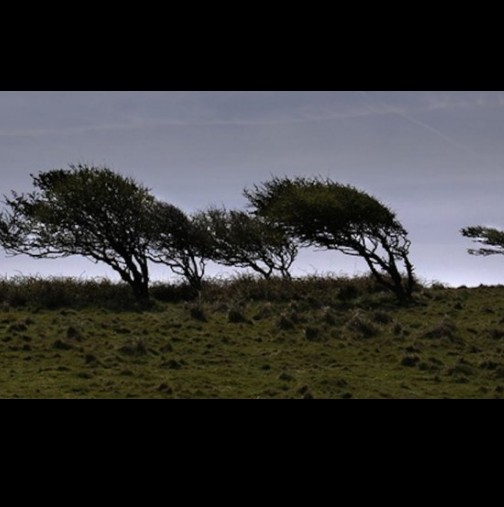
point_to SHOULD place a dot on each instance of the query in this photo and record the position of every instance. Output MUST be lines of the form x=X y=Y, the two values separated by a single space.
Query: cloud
x=197 y=113
x=436 y=102
x=88 y=112
x=464 y=100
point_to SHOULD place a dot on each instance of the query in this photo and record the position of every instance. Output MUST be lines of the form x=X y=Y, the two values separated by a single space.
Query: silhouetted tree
x=491 y=237
x=86 y=211
x=326 y=214
x=182 y=243
x=242 y=240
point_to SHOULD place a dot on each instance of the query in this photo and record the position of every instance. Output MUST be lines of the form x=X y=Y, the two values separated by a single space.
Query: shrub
x=52 y=293
x=348 y=292
x=173 y=293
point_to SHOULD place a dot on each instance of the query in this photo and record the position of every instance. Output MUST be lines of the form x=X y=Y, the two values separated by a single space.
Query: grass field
x=308 y=339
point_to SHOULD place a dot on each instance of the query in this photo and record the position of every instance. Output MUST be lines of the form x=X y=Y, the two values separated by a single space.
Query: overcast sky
x=437 y=158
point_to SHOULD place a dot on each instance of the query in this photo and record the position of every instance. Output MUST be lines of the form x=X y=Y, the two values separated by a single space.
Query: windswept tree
x=242 y=240
x=491 y=238
x=87 y=211
x=333 y=216
x=182 y=243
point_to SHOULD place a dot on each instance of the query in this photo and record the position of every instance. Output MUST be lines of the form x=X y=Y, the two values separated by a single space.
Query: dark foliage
x=87 y=211
x=493 y=239
x=241 y=240
x=326 y=214
x=182 y=243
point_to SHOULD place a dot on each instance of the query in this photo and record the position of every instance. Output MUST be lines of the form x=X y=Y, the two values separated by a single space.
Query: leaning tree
x=333 y=216
x=240 y=239
x=182 y=243
x=88 y=211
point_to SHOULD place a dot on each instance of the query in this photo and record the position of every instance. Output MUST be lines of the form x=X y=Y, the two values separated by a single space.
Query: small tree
x=86 y=211
x=326 y=214
x=493 y=238
x=182 y=243
x=242 y=240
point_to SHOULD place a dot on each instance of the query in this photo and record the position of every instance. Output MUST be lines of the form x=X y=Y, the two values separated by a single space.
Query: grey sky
x=437 y=158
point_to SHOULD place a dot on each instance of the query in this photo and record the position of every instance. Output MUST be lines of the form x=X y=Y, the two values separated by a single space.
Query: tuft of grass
x=361 y=326
x=496 y=333
x=285 y=323
x=172 y=364
x=17 y=327
x=445 y=329
x=265 y=312
x=381 y=317
x=135 y=347
x=410 y=361
x=72 y=333
x=90 y=359
x=61 y=345
x=314 y=334
x=236 y=316
x=198 y=313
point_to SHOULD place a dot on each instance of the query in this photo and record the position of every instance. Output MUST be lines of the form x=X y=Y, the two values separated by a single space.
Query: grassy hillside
x=320 y=338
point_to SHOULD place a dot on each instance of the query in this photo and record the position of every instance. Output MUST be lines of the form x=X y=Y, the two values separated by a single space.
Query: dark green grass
x=251 y=339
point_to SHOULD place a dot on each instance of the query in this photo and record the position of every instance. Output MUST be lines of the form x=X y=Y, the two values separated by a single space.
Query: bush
x=314 y=291
x=308 y=293
x=52 y=293
x=168 y=293
x=348 y=292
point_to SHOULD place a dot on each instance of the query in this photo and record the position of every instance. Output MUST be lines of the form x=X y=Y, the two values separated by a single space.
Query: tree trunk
x=140 y=290
x=394 y=282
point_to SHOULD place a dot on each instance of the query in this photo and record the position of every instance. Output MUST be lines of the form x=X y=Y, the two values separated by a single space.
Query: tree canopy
x=242 y=240
x=106 y=217
x=492 y=238
x=182 y=242
x=339 y=217
x=87 y=211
